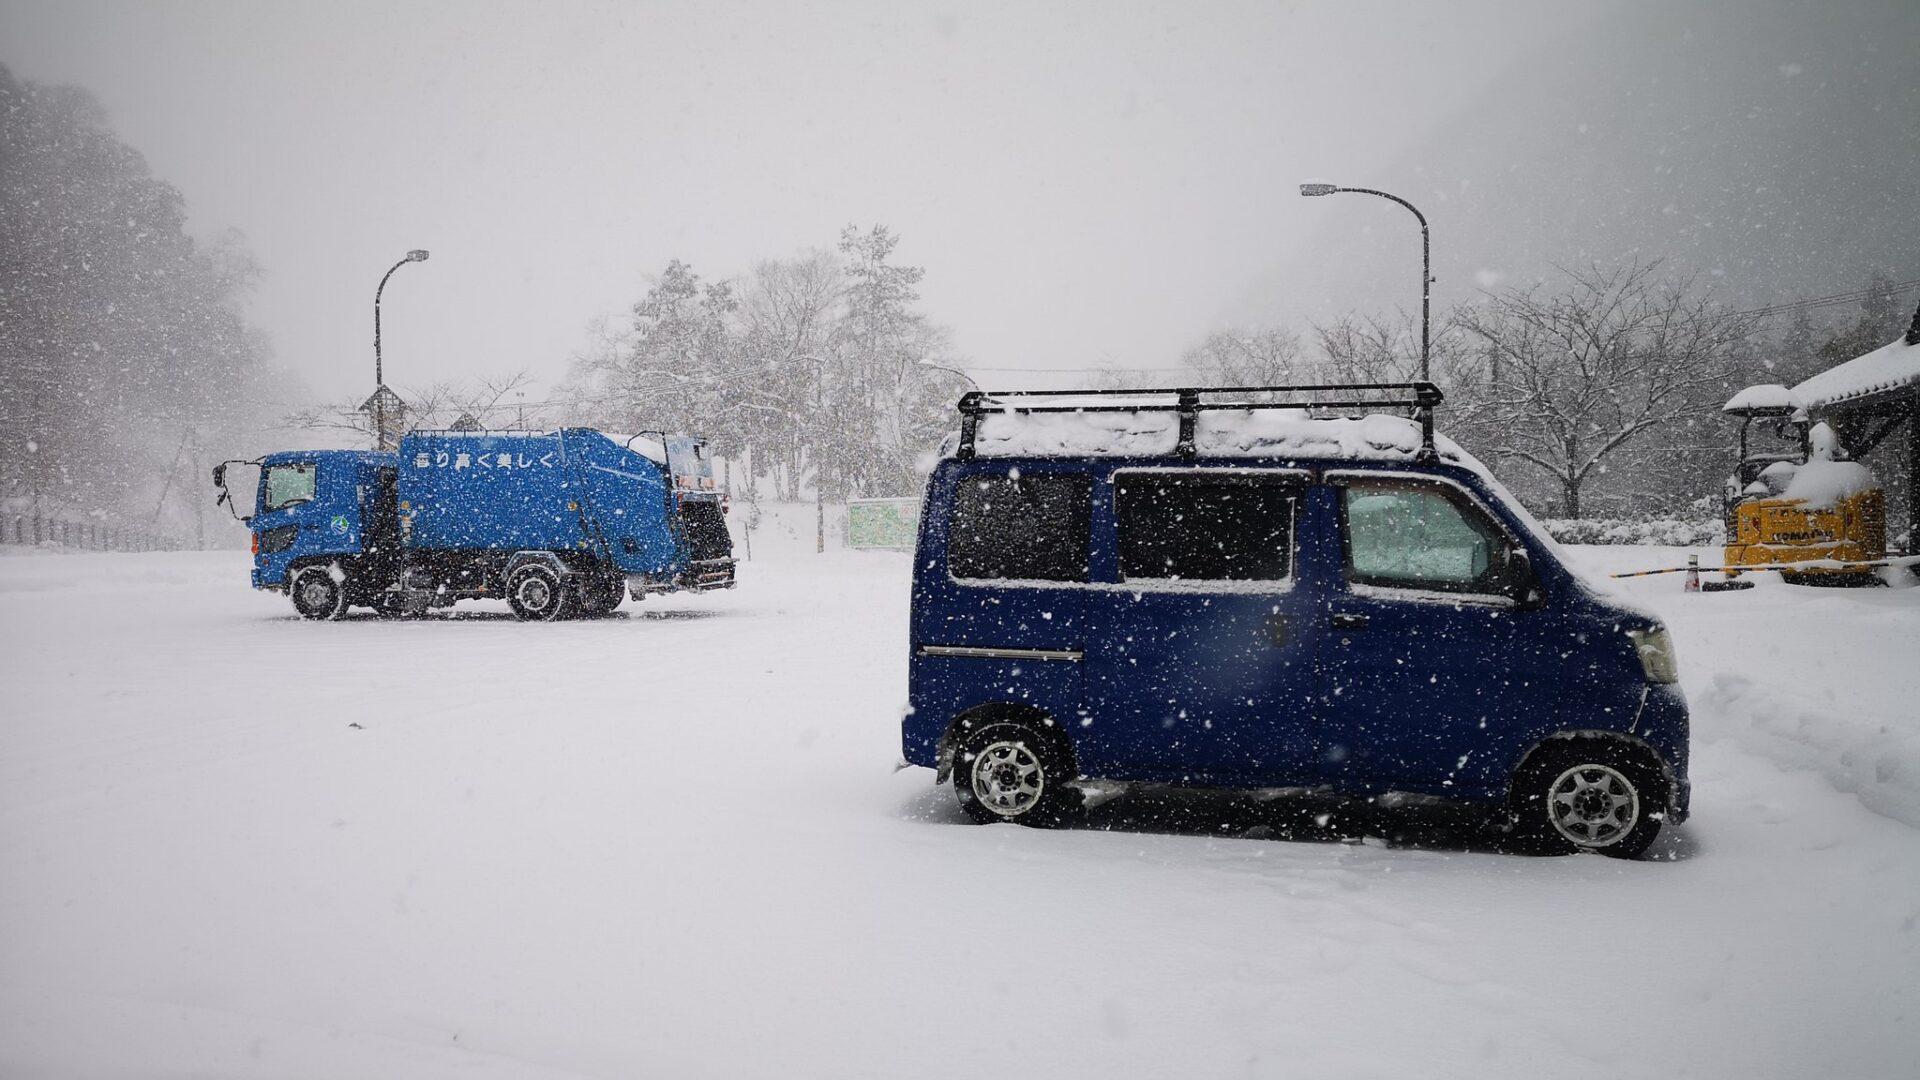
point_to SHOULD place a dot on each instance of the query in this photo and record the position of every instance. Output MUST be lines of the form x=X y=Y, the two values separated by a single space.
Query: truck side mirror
x=225 y=498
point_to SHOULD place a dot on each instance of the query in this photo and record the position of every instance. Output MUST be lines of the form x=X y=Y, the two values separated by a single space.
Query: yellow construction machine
x=1795 y=499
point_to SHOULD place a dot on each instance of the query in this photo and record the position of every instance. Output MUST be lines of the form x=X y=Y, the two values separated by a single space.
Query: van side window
x=1412 y=535
x=1031 y=528
x=1204 y=527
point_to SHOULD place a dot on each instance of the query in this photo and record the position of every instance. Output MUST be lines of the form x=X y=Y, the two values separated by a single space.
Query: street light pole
x=1426 y=265
x=379 y=373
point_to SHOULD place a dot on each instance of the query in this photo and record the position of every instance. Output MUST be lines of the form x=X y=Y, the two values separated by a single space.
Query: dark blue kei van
x=1258 y=588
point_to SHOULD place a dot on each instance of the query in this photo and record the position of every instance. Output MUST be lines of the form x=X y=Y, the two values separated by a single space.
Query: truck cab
x=324 y=507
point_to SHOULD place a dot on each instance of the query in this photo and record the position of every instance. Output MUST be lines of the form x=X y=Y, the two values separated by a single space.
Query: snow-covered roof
x=1889 y=367
x=1767 y=397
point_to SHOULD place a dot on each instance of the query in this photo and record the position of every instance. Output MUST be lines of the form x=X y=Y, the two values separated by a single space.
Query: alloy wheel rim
x=1008 y=779
x=1593 y=805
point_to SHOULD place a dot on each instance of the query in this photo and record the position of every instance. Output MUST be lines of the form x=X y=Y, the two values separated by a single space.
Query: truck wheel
x=536 y=592
x=1007 y=772
x=316 y=595
x=600 y=596
x=1588 y=796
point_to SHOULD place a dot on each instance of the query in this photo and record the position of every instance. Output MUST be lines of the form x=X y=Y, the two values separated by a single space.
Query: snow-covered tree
x=122 y=344
x=1575 y=375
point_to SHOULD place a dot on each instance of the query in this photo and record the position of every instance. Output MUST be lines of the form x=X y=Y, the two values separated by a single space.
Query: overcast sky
x=1086 y=184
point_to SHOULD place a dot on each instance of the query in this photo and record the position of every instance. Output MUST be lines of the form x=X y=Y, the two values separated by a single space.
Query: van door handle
x=1346 y=620
x=1277 y=632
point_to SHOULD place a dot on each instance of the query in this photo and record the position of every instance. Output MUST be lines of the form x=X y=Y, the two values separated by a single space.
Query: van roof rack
x=1419 y=398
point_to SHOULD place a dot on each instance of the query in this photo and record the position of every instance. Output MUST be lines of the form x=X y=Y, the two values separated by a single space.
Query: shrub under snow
x=1671 y=532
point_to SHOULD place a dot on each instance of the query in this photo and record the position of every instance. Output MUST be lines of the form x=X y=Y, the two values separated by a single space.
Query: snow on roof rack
x=1418 y=397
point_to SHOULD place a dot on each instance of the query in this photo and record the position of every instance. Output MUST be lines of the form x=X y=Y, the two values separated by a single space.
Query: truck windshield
x=289 y=484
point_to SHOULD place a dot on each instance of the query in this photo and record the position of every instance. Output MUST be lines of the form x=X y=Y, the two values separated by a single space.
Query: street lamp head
x=1318 y=189
x=417 y=255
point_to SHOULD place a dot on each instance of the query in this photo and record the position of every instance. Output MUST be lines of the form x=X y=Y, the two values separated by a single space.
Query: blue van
x=1272 y=587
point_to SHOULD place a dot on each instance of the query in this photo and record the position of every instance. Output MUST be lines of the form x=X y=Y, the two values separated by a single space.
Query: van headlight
x=1654 y=646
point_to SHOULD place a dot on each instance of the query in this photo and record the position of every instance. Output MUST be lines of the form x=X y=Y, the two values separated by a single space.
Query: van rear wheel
x=1008 y=772
x=317 y=594
x=1588 y=796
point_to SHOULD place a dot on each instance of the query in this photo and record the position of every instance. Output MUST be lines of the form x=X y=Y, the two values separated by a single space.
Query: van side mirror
x=1518 y=582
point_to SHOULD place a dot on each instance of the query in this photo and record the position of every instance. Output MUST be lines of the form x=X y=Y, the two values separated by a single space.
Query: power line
x=1894 y=289
x=1781 y=308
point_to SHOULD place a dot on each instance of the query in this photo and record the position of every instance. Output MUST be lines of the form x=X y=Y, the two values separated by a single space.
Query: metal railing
x=1418 y=398
x=42 y=530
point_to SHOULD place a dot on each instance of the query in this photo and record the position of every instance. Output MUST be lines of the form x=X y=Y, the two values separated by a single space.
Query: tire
x=536 y=593
x=599 y=596
x=317 y=594
x=1588 y=796
x=1006 y=771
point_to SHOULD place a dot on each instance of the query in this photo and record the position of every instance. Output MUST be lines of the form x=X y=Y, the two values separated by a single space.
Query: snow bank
x=1872 y=756
x=1819 y=680
x=1767 y=396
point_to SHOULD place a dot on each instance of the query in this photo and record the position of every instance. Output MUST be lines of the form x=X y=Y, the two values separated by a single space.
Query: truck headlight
x=1655 y=649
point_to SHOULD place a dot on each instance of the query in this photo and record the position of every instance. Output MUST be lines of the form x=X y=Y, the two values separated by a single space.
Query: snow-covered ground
x=672 y=843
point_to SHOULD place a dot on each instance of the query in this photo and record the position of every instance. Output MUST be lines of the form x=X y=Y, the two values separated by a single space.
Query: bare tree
x=1574 y=375
x=1265 y=356
x=438 y=405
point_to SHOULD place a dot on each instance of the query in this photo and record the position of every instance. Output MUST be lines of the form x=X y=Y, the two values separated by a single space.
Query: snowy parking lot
x=673 y=843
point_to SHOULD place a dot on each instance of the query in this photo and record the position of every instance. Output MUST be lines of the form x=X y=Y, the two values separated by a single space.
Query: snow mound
x=1858 y=751
x=1767 y=396
x=1820 y=485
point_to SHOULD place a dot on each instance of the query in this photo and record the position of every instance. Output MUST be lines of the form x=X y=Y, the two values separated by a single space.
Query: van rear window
x=1201 y=527
x=1031 y=528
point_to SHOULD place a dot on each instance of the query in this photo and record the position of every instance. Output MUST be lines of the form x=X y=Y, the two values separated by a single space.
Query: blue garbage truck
x=558 y=524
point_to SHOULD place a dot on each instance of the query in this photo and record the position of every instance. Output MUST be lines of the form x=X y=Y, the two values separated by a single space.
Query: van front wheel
x=1007 y=772
x=1588 y=798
